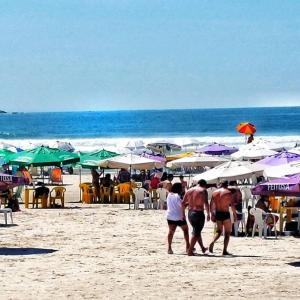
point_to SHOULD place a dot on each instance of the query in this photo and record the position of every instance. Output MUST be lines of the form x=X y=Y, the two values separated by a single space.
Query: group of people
x=196 y=200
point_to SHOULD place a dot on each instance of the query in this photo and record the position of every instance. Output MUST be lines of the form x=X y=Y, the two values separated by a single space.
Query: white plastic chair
x=210 y=191
x=5 y=211
x=162 y=197
x=260 y=222
x=237 y=223
x=247 y=196
x=142 y=194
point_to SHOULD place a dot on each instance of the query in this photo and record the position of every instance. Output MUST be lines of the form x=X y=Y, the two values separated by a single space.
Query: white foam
x=118 y=144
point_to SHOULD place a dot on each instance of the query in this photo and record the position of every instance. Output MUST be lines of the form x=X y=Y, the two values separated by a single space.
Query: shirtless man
x=221 y=199
x=196 y=199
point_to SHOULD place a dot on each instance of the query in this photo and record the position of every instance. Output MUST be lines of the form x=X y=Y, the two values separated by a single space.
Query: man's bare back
x=195 y=198
x=221 y=199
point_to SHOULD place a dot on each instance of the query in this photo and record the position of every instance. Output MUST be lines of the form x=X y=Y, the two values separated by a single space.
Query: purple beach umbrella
x=286 y=186
x=280 y=158
x=217 y=149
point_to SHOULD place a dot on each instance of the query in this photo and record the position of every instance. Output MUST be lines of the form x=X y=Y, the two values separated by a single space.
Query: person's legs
x=172 y=228
x=227 y=231
x=217 y=236
x=185 y=230
x=200 y=242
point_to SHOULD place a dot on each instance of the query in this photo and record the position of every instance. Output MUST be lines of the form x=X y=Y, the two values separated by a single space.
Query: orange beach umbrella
x=246 y=128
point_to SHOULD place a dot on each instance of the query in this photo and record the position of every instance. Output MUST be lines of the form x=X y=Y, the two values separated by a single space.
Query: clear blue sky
x=119 y=54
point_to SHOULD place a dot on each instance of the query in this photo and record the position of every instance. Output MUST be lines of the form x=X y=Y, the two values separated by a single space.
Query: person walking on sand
x=221 y=200
x=196 y=199
x=175 y=217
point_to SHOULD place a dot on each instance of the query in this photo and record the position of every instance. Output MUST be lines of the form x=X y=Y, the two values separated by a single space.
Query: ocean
x=90 y=130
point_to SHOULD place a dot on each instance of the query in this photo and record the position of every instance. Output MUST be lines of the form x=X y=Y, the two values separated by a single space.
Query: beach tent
x=252 y=151
x=92 y=160
x=231 y=170
x=9 y=181
x=217 y=149
x=130 y=161
x=163 y=146
x=286 y=186
x=43 y=156
x=62 y=145
x=197 y=161
x=291 y=168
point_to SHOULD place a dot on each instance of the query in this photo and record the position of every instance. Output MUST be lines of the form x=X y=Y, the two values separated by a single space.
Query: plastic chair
x=56 y=176
x=59 y=194
x=154 y=197
x=162 y=197
x=209 y=192
x=105 y=194
x=124 y=192
x=5 y=211
x=241 y=220
x=260 y=222
x=18 y=193
x=142 y=195
x=43 y=200
x=247 y=196
x=87 y=192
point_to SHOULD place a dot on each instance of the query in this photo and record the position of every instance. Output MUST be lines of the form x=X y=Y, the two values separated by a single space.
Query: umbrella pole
x=79 y=184
x=130 y=185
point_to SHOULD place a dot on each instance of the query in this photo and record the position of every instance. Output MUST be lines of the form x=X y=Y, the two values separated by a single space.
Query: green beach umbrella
x=91 y=160
x=43 y=156
x=5 y=154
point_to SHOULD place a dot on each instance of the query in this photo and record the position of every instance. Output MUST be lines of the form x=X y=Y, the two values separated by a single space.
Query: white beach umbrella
x=295 y=150
x=197 y=161
x=252 y=151
x=135 y=144
x=262 y=143
x=130 y=161
x=282 y=170
x=232 y=170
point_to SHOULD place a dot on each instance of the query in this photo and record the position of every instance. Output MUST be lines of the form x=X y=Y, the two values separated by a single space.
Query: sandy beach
x=110 y=252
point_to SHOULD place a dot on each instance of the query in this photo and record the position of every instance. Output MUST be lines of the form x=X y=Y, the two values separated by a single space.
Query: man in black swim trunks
x=221 y=200
x=196 y=199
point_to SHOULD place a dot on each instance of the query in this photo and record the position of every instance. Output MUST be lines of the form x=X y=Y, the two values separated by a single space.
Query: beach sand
x=109 y=252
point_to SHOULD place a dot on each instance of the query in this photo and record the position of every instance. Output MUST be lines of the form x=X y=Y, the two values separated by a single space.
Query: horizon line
x=148 y=109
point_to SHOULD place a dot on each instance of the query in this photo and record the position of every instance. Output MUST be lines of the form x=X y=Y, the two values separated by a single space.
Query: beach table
x=27 y=192
x=289 y=211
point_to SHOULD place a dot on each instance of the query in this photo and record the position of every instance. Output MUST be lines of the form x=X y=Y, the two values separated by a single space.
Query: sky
x=72 y=55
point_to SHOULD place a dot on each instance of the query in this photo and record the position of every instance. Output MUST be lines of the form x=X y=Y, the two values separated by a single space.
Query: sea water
x=107 y=129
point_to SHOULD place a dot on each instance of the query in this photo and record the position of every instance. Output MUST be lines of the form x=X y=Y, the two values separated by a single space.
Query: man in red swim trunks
x=221 y=200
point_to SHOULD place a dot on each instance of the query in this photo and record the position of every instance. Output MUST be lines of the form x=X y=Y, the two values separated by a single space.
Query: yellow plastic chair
x=87 y=192
x=124 y=193
x=106 y=195
x=42 y=199
x=59 y=194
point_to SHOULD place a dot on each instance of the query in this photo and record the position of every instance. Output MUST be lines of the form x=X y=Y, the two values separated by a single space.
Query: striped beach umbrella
x=246 y=128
